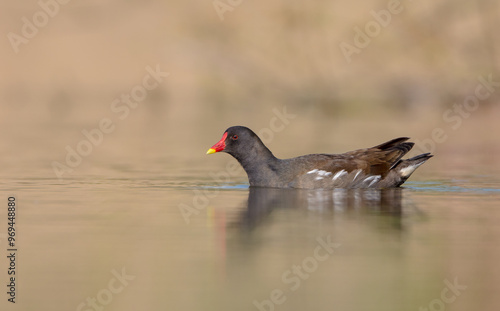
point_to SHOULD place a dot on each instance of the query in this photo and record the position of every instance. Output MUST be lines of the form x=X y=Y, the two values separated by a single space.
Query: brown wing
x=380 y=159
x=376 y=160
x=372 y=161
x=362 y=168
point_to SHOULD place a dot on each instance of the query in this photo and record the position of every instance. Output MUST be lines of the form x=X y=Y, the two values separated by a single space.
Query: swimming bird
x=378 y=167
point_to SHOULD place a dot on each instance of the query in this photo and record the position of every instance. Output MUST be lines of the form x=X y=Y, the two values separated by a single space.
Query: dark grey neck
x=258 y=155
x=259 y=163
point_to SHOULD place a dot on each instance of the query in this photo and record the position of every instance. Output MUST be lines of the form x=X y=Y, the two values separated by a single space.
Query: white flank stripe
x=376 y=179
x=324 y=173
x=356 y=176
x=342 y=172
x=321 y=174
x=372 y=179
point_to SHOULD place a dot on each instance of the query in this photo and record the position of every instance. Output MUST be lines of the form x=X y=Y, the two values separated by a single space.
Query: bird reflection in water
x=262 y=201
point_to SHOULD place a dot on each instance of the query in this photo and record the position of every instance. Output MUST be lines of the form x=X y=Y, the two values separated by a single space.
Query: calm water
x=147 y=221
x=179 y=240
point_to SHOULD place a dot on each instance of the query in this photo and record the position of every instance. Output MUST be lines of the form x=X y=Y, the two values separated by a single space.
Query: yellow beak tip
x=211 y=150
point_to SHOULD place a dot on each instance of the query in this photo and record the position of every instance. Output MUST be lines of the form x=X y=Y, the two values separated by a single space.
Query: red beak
x=219 y=146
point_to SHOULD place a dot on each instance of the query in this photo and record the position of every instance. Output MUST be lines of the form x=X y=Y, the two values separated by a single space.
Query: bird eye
x=235 y=137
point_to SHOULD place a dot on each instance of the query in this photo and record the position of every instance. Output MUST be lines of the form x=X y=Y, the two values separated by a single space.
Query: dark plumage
x=376 y=167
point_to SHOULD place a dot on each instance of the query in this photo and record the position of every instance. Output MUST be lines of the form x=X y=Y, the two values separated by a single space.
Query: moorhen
x=376 y=167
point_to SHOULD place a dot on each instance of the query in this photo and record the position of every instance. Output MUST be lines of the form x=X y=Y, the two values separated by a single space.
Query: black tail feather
x=423 y=156
x=392 y=143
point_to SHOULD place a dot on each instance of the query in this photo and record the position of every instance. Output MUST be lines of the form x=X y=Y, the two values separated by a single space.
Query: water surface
x=188 y=242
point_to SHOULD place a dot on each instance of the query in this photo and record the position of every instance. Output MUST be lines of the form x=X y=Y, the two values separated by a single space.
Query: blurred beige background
x=417 y=75
x=232 y=64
